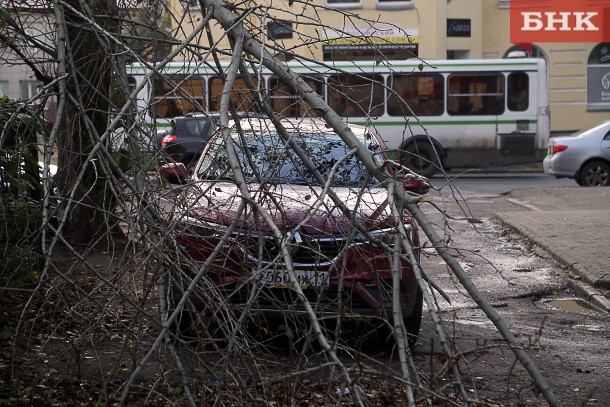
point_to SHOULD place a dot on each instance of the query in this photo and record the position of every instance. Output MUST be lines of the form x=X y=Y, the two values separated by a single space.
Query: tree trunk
x=85 y=118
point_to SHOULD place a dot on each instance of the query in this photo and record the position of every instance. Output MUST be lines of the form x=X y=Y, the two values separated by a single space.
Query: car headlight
x=387 y=236
x=254 y=243
x=197 y=227
x=202 y=228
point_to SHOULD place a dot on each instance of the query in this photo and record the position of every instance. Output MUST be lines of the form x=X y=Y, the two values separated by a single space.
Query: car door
x=606 y=145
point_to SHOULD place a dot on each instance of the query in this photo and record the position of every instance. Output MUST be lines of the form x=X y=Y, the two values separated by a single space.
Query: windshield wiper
x=216 y=178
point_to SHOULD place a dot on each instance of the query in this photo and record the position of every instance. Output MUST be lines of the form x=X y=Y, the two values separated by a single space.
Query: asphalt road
x=495 y=182
x=532 y=293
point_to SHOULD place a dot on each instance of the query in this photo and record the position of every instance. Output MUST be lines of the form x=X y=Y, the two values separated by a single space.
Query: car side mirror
x=174 y=173
x=416 y=184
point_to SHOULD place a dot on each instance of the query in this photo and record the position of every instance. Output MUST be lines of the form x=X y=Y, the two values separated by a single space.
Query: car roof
x=252 y=121
x=304 y=125
x=216 y=115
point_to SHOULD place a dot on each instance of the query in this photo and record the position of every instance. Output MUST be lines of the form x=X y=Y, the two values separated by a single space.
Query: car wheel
x=595 y=174
x=413 y=322
x=196 y=321
x=421 y=157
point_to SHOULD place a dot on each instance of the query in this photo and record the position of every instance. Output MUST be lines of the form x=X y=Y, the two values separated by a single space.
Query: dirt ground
x=81 y=338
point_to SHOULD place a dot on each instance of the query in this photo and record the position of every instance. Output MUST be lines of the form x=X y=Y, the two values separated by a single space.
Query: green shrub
x=20 y=249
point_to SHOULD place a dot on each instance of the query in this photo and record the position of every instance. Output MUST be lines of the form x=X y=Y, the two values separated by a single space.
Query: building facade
x=399 y=29
x=433 y=29
x=17 y=81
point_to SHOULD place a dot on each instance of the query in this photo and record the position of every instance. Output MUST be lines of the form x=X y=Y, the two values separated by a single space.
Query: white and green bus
x=436 y=115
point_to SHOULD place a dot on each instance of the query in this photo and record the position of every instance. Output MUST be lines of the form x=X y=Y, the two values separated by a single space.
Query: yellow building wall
x=466 y=9
x=428 y=17
x=567 y=64
x=490 y=38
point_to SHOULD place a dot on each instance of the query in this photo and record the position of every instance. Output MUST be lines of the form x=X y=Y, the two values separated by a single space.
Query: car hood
x=288 y=205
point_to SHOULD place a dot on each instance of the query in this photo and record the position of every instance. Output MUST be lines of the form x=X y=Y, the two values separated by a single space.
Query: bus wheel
x=422 y=158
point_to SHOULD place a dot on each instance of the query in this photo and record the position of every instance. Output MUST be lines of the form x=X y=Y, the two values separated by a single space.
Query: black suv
x=184 y=140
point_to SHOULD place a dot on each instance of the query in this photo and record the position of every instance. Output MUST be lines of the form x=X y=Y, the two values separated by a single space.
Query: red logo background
x=518 y=21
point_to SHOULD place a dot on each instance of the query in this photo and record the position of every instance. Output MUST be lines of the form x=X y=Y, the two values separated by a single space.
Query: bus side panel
x=523 y=134
x=544 y=109
x=468 y=142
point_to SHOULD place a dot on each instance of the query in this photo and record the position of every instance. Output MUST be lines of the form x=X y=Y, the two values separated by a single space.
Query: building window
x=598 y=78
x=458 y=54
x=29 y=89
x=279 y=29
x=504 y=4
x=191 y=4
x=344 y=3
x=3 y=88
x=394 y=4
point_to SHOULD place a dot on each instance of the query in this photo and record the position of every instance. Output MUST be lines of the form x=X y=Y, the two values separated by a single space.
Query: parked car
x=5 y=184
x=184 y=140
x=341 y=269
x=584 y=156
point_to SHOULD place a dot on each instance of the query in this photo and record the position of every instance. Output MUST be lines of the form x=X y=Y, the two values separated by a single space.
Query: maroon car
x=287 y=243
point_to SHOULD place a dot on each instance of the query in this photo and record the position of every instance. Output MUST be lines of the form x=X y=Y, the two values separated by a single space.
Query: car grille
x=304 y=248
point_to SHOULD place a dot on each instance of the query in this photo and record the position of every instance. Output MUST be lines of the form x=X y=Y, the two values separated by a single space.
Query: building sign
x=279 y=29
x=598 y=78
x=458 y=27
x=369 y=39
x=559 y=21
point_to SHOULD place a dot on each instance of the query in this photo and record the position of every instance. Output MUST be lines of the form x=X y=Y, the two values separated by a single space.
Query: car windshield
x=192 y=126
x=266 y=158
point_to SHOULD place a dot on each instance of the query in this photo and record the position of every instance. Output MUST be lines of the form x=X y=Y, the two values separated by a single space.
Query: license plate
x=305 y=278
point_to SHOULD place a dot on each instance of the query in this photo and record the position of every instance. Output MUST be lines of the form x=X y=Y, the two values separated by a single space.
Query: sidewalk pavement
x=573 y=225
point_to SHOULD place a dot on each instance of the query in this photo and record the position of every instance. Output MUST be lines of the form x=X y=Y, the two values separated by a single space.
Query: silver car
x=584 y=156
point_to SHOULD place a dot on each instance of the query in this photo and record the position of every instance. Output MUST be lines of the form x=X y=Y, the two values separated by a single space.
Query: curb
x=584 y=288
x=591 y=295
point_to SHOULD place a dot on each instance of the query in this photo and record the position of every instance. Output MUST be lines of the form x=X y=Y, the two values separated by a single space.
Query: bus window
x=356 y=96
x=517 y=91
x=241 y=95
x=118 y=95
x=286 y=102
x=475 y=94
x=423 y=95
x=178 y=95
x=131 y=84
